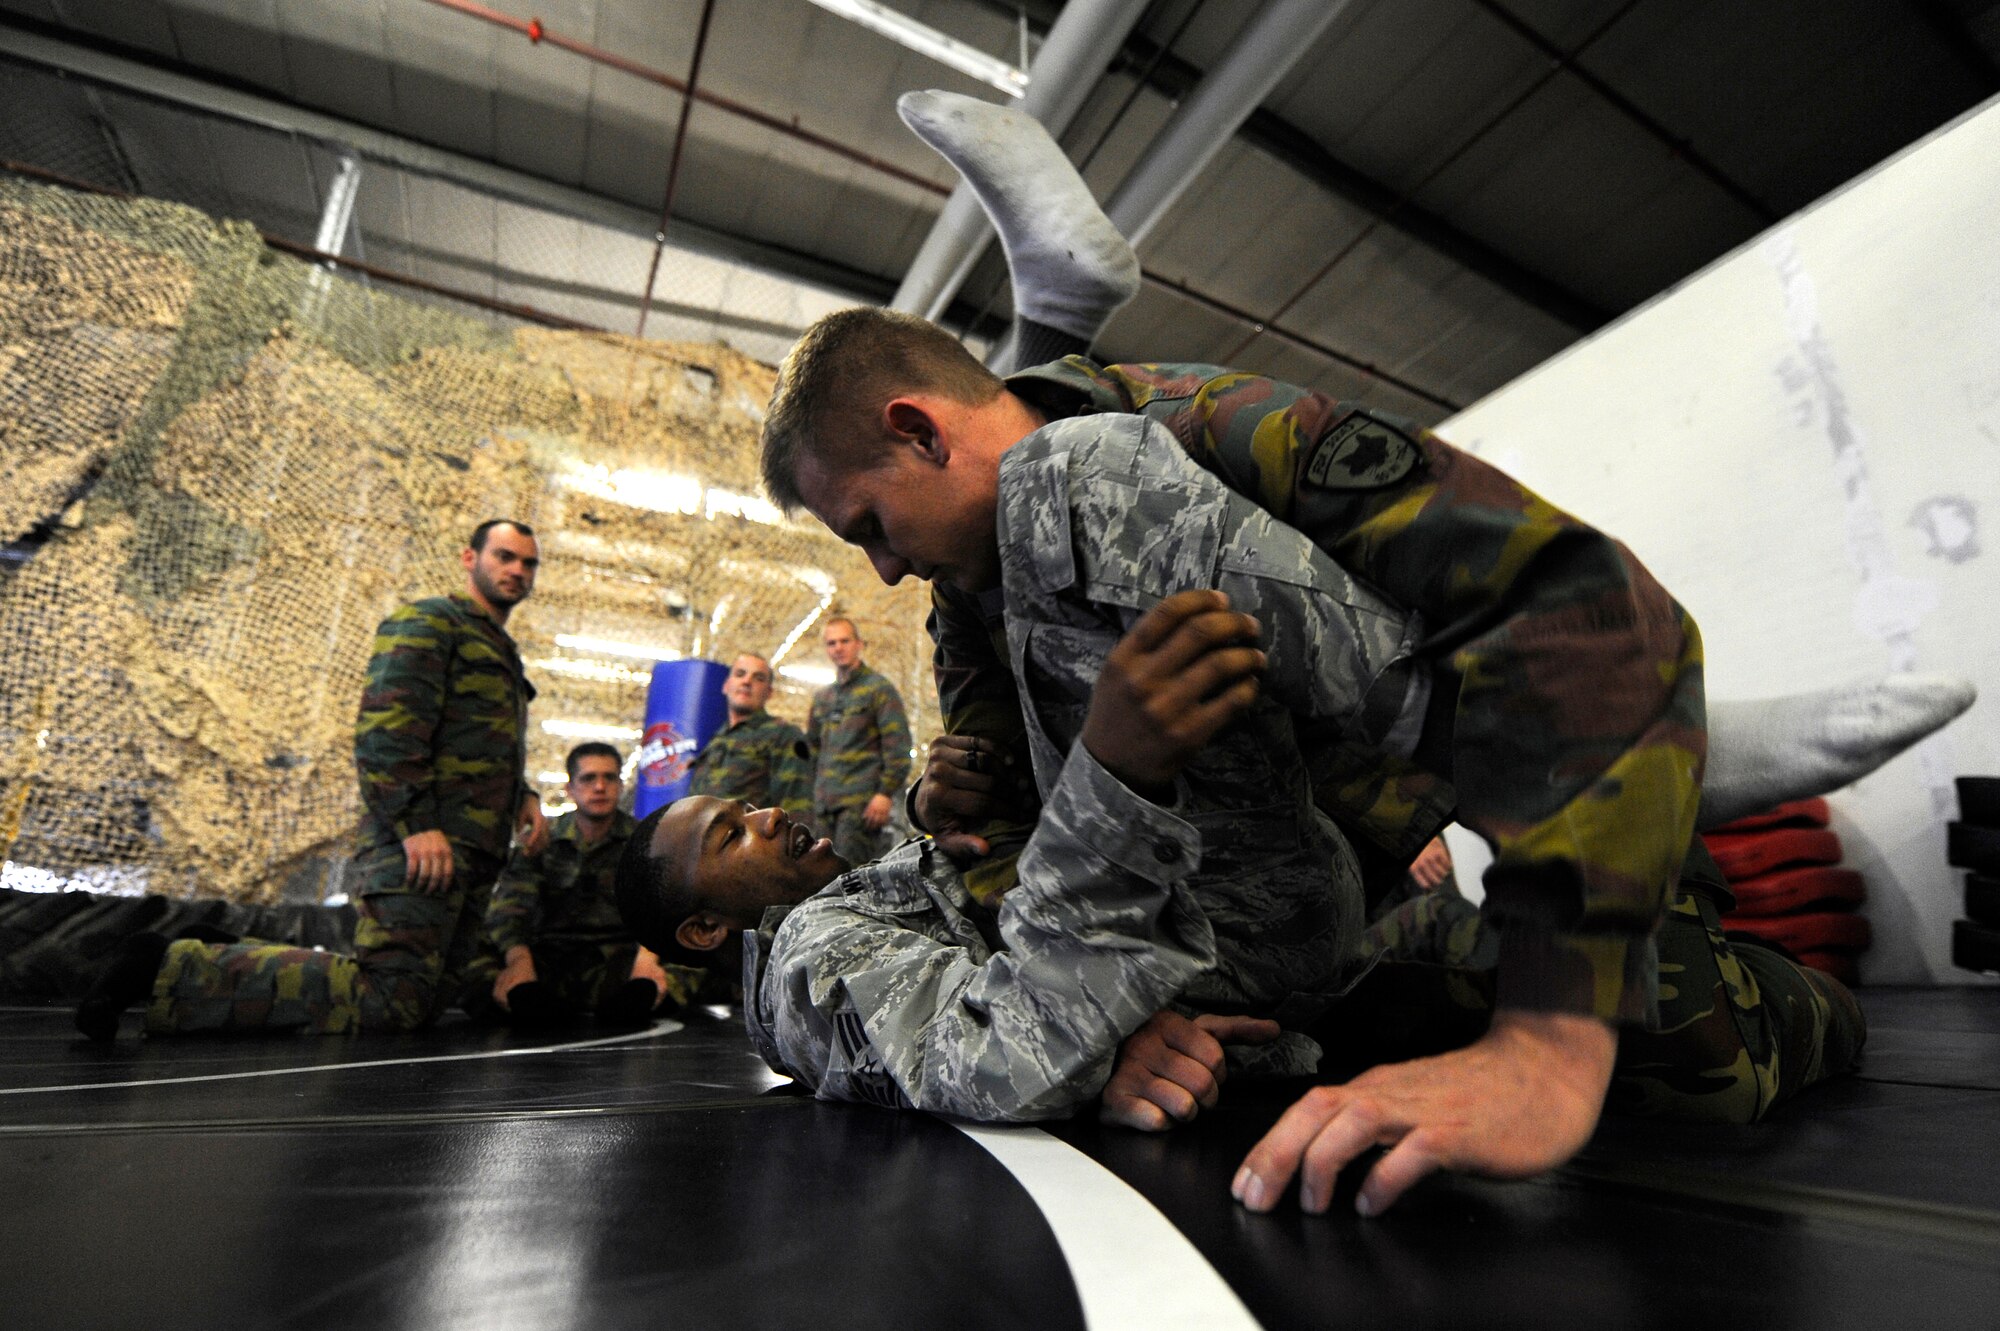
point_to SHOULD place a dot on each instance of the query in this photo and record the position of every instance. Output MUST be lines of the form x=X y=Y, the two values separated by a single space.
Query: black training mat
x=470 y=1177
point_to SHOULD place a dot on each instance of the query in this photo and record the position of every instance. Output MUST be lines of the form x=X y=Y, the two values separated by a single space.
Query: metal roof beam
x=195 y=91
x=1174 y=78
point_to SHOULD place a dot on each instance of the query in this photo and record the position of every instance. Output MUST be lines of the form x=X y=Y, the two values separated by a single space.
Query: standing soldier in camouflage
x=861 y=746
x=757 y=758
x=554 y=942
x=440 y=744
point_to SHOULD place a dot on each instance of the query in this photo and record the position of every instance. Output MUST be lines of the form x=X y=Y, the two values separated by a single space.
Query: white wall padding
x=1803 y=442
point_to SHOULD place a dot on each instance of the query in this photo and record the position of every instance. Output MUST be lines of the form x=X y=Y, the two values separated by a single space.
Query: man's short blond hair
x=833 y=386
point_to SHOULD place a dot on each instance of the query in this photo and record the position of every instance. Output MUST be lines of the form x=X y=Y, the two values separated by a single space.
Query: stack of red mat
x=1784 y=867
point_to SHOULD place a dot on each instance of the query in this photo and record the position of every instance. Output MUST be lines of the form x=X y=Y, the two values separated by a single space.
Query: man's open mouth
x=802 y=841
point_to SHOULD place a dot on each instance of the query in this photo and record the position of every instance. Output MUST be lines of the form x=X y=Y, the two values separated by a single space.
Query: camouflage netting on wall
x=220 y=467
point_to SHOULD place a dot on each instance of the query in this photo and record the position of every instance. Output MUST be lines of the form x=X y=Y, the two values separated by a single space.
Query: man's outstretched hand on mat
x=1521 y=1100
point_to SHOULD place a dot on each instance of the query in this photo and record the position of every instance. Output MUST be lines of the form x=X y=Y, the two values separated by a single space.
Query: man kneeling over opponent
x=889 y=984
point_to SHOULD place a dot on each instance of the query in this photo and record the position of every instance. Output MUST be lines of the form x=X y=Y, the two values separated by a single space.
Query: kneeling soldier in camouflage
x=1443 y=643
x=440 y=745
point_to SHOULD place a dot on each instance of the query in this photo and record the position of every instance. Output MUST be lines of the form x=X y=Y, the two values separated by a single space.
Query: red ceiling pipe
x=539 y=33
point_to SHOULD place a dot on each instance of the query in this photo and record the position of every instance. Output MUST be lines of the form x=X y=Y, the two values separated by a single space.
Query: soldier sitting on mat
x=554 y=942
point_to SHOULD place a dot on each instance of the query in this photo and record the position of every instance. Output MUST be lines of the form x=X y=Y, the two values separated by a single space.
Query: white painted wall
x=1803 y=442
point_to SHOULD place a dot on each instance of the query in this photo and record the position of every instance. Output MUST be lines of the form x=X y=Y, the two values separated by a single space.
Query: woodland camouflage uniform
x=562 y=905
x=760 y=760
x=1565 y=698
x=861 y=747
x=440 y=743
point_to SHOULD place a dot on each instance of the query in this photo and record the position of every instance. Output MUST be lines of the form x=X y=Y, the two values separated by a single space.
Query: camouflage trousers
x=579 y=973
x=852 y=840
x=410 y=952
x=1741 y=1029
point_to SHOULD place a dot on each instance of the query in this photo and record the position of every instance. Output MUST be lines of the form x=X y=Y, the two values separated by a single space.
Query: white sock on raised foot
x=1071 y=269
x=1764 y=751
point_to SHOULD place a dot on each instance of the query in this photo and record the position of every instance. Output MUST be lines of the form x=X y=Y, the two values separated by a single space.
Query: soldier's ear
x=702 y=933
x=467 y=558
x=914 y=421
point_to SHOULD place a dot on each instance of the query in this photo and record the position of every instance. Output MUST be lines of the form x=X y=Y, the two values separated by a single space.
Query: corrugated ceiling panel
x=276 y=181
x=46 y=11
x=541 y=98
x=240 y=36
x=1543 y=181
x=1397 y=91
x=443 y=79
x=1792 y=97
x=338 y=58
x=1249 y=231
x=656 y=33
x=143 y=24
x=456 y=230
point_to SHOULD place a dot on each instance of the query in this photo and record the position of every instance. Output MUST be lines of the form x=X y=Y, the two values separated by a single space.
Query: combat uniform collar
x=860 y=672
x=477 y=612
x=1072 y=386
x=1075 y=386
x=756 y=718
x=568 y=827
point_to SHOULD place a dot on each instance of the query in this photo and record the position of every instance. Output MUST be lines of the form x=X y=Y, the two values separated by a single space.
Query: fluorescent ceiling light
x=667 y=492
x=603 y=672
x=589 y=730
x=809 y=674
x=609 y=647
x=906 y=31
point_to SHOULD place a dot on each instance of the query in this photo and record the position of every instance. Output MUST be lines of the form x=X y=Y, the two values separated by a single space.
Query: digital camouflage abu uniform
x=1565 y=685
x=440 y=743
x=562 y=905
x=761 y=760
x=894 y=987
x=860 y=741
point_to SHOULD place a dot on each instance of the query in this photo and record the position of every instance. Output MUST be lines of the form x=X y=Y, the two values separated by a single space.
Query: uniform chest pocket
x=899 y=896
x=1145 y=540
x=1061 y=666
